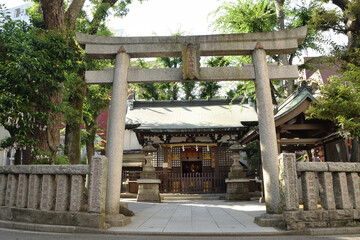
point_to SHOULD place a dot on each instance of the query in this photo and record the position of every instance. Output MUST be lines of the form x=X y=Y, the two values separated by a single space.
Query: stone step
x=170 y=196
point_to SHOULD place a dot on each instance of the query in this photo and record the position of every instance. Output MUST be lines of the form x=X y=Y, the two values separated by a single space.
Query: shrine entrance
x=191 y=160
x=191 y=48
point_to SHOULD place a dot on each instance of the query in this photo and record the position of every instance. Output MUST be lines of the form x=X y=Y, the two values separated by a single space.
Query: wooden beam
x=299 y=141
x=292 y=148
x=244 y=73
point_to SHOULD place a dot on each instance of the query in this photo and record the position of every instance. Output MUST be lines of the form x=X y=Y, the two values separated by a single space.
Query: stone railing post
x=327 y=197
x=115 y=139
x=76 y=192
x=62 y=193
x=47 y=192
x=268 y=143
x=309 y=190
x=3 y=181
x=11 y=190
x=34 y=191
x=288 y=182
x=341 y=191
x=22 y=191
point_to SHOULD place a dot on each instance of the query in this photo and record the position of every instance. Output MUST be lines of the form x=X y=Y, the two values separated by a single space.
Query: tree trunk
x=54 y=19
x=53 y=12
x=73 y=124
x=355 y=151
x=280 y=17
x=90 y=141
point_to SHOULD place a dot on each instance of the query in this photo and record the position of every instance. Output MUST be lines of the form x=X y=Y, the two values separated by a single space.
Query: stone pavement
x=195 y=216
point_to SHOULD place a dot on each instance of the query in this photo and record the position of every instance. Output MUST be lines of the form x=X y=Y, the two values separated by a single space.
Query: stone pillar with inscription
x=97 y=184
x=288 y=182
x=268 y=142
x=115 y=138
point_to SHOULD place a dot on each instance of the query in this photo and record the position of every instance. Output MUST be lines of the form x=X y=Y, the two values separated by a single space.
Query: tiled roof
x=190 y=115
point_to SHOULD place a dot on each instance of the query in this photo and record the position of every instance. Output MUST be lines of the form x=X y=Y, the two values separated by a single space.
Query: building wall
x=130 y=141
x=19 y=13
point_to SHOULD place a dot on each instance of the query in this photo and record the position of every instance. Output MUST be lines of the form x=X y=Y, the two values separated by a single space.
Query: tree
x=342 y=19
x=210 y=89
x=265 y=16
x=60 y=16
x=339 y=101
x=97 y=99
x=28 y=56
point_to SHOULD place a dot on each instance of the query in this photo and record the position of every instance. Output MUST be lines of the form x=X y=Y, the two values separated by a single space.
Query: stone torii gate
x=190 y=48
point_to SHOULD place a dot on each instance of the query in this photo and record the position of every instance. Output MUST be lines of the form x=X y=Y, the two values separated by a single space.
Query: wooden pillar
x=268 y=144
x=115 y=138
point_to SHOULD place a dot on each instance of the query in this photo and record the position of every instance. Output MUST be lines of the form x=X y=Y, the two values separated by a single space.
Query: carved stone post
x=115 y=138
x=268 y=144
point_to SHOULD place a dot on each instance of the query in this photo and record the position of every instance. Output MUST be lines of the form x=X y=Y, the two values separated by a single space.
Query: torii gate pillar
x=115 y=138
x=268 y=144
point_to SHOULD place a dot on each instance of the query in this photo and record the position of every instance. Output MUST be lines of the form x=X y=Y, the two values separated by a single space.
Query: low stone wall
x=48 y=194
x=337 y=185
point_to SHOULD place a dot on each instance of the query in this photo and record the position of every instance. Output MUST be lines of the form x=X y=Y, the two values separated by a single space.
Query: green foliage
x=96 y=101
x=44 y=158
x=340 y=102
x=28 y=56
x=252 y=151
x=245 y=16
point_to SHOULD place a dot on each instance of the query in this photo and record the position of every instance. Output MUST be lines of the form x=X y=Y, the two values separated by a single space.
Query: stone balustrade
x=54 y=194
x=330 y=193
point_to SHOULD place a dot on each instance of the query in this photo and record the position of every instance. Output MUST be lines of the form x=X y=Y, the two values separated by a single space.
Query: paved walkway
x=195 y=216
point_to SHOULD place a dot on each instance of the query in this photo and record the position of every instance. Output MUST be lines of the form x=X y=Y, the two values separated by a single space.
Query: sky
x=159 y=17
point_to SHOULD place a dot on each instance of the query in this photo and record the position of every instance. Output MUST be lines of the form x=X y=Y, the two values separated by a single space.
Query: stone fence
x=54 y=194
x=336 y=184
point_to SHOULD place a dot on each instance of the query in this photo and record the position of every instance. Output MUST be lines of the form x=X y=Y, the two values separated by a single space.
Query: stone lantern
x=237 y=185
x=148 y=182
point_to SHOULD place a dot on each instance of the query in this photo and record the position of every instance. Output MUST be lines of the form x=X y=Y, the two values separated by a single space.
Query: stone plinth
x=148 y=183
x=148 y=190
x=237 y=186
x=237 y=189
